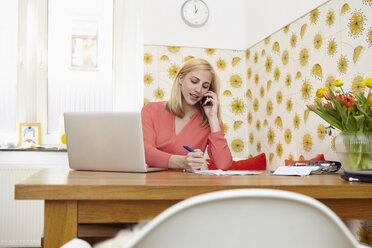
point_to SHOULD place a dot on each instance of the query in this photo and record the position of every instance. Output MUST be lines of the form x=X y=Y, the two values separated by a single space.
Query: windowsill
x=39 y=149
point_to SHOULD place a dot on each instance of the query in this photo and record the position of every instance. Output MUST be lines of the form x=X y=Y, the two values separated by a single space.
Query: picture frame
x=29 y=135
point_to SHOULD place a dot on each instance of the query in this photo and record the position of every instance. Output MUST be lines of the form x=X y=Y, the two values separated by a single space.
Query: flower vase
x=354 y=149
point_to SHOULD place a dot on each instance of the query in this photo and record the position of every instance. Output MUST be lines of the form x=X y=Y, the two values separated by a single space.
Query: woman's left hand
x=210 y=106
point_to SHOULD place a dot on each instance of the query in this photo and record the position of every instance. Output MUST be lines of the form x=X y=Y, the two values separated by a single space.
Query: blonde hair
x=174 y=105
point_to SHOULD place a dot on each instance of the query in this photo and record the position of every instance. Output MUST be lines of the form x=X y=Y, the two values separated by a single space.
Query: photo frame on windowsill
x=29 y=135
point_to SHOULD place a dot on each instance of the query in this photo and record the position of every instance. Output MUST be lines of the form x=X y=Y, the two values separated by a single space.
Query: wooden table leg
x=60 y=222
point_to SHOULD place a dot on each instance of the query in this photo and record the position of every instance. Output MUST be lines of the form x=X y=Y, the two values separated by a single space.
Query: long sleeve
x=154 y=156
x=218 y=150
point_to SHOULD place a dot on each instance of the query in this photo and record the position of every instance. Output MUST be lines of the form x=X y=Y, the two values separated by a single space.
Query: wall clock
x=195 y=13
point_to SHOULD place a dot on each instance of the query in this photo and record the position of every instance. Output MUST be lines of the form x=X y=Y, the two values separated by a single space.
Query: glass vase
x=354 y=149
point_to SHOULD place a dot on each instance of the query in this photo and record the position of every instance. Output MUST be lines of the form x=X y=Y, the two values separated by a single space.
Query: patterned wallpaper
x=265 y=89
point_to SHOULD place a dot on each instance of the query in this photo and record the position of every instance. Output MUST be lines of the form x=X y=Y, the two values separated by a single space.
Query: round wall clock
x=195 y=13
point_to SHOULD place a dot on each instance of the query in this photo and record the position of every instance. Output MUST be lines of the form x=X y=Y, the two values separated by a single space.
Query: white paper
x=295 y=170
x=223 y=173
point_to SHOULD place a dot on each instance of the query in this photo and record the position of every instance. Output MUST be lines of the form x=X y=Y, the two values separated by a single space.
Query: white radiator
x=21 y=221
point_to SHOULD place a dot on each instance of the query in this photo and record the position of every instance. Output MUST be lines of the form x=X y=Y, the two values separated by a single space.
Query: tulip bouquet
x=351 y=113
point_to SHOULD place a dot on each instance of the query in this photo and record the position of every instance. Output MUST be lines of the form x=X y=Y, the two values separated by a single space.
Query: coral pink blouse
x=161 y=141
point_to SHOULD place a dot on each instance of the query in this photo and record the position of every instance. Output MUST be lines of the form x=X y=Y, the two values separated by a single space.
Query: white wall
x=267 y=16
x=230 y=26
x=163 y=25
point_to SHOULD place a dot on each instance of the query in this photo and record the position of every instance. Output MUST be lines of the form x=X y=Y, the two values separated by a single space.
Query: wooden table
x=73 y=197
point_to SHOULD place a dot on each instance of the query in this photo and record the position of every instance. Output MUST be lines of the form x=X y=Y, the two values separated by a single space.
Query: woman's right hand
x=194 y=160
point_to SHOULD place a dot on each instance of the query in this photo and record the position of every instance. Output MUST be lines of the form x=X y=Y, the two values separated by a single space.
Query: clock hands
x=196 y=10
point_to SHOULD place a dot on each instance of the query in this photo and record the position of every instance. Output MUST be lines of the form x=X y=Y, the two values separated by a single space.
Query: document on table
x=294 y=170
x=223 y=173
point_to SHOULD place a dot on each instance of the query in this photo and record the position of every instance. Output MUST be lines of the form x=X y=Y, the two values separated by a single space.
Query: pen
x=188 y=148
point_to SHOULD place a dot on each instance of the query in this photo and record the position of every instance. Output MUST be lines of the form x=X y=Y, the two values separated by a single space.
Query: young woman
x=187 y=120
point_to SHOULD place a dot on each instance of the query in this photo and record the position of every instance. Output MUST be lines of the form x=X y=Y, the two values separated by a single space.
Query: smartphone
x=205 y=98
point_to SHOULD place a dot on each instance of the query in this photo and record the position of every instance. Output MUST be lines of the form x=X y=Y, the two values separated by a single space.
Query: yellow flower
x=255 y=58
x=290 y=157
x=237 y=106
x=287 y=136
x=369 y=39
x=164 y=58
x=276 y=47
x=210 y=51
x=286 y=29
x=247 y=53
x=249 y=118
x=338 y=83
x=174 y=49
x=237 y=145
x=345 y=8
x=365 y=234
x=159 y=94
x=279 y=97
x=63 y=139
x=236 y=81
x=148 y=79
x=270 y=136
x=256 y=78
x=296 y=121
x=304 y=56
x=221 y=64
x=368 y=82
x=258 y=147
x=317 y=70
x=314 y=15
x=235 y=60
x=357 y=85
x=301 y=157
x=298 y=75
x=356 y=23
x=249 y=73
x=269 y=108
x=285 y=57
x=306 y=90
x=288 y=80
x=255 y=105
x=307 y=142
x=267 y=40
x=258 y=125
x=262 y=91
x=293 y=40
x=342 y=65
x=278 y=121
x=188 y=58
x=147 y=58
x=321 y=131
x=320 y=92
x=330 y=18
x=145 y=101
x=279 y=150
x=276 y=74
x=226 y=93
x=251 y=138
x=330 y=83
x=263 y=52
x=303 y=29
x=249 y=94
x=237 y=124
x=268 y=85
x=289 y=105
x=265 y=122
x=306 y=114
x=332 y=47
x=224 y=128
x=173 y=71
x=268 y=64
x=271 y=156
x=318 y=41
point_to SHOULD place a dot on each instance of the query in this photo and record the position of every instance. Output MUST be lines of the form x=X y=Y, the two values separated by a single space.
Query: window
x=73 y=55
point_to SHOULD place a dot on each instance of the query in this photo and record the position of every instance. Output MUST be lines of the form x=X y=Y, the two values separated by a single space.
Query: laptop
x=105 y=141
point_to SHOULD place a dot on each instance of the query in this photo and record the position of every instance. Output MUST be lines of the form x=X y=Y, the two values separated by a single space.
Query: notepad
x=294 y=170
x=223 y=173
